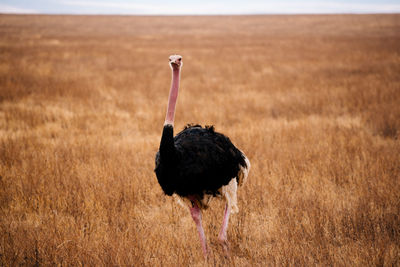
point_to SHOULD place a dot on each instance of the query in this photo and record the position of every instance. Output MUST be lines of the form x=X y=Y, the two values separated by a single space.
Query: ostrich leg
x=196 y=215
x=222 y=234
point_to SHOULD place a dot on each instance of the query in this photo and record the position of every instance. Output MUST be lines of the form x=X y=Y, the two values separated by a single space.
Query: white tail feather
x=243 y=172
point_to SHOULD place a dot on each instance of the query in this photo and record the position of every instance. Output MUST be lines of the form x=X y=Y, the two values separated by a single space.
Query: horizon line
x=198 y=14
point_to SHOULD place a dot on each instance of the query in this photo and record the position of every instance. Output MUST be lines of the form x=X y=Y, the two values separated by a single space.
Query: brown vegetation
x=314 y=101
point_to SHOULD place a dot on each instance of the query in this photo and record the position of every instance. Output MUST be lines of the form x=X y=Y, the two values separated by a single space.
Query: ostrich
x=198 y=164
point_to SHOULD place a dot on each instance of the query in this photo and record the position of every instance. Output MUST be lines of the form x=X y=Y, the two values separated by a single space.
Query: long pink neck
x=173 y=96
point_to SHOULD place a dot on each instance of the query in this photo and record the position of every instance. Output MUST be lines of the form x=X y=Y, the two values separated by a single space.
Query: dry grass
x=314 y=101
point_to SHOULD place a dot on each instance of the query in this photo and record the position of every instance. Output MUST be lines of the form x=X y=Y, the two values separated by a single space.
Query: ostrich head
x=175 y=61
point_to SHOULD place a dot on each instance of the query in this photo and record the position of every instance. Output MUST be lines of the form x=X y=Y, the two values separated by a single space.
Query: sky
x=197 y=7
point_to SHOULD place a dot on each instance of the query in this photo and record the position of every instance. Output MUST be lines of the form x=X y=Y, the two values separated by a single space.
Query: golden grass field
x=313 y=101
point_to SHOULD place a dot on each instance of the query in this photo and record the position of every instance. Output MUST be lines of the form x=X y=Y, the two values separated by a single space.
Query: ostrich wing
x=207 y=161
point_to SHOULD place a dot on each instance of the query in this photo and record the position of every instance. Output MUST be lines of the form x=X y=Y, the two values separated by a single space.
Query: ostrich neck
x=167 y=146
x=173 y=96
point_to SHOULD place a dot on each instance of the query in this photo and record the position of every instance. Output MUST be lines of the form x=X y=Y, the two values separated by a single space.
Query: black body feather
x=196 y=161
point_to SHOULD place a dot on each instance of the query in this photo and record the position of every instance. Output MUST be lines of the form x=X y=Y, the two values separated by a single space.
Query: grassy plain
x=314 y=102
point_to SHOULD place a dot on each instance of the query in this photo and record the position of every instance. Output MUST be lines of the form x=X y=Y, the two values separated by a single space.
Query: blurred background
x=180 y=7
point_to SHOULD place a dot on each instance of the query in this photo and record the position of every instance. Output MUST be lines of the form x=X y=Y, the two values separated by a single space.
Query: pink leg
x=196 y=215
x=222 y=234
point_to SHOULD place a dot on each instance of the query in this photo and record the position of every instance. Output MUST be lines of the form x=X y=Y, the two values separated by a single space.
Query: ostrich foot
x=225 y=246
